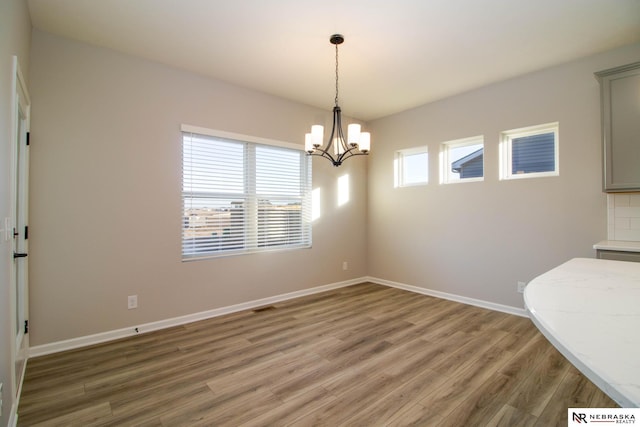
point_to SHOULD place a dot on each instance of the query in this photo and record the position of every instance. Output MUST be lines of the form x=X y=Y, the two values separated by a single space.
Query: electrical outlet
x=132 y=301
x=521 y=286
x=345 y=265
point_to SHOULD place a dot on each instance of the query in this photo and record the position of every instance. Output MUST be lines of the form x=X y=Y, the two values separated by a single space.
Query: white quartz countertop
x=589 y=309
x=618 y=245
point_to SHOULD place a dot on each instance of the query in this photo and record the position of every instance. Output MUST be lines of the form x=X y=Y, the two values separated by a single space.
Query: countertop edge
x=618 y=245
x=594 y=377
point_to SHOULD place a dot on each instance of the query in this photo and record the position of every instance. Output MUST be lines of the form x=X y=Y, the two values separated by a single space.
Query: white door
x=20 y=288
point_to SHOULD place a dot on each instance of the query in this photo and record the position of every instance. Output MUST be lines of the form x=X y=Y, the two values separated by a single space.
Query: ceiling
x=396 y=55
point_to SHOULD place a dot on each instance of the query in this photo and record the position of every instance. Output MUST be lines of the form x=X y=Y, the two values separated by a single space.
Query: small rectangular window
x=530 y=152
x=462 y=160
x=411 y=167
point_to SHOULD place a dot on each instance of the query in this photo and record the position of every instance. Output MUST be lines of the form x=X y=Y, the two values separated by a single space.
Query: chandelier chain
x=336 y=100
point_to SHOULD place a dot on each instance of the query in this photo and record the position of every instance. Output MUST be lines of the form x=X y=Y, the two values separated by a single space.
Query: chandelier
x=337 y=148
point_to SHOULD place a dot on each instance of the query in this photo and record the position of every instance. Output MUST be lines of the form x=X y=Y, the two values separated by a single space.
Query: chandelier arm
x=350 y=153
x=336 y=117
x=322 y=153
x=337 y=124
x=337 y=161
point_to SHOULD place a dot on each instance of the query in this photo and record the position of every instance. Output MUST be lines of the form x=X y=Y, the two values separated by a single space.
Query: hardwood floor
x=366 y=355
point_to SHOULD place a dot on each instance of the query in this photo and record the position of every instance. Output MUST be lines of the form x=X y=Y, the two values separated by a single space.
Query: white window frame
x=253 y=246
x=399 y=166
x=446 y=160
x=506 y=138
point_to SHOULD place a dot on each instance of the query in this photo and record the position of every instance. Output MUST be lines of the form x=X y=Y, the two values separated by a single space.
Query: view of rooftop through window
x=462 y=160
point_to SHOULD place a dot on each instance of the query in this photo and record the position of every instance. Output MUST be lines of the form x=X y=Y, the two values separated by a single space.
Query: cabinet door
x=618 y=255
x=620 y=96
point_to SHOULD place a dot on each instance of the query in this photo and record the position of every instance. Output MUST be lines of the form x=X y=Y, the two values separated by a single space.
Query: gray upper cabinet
x=620 y=97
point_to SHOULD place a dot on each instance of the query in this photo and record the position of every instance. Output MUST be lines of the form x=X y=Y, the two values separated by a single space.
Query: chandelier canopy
x=338 y=148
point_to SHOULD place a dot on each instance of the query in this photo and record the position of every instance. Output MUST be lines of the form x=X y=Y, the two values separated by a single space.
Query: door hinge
x=26 y=232
x=26 y=326
x=28 y=138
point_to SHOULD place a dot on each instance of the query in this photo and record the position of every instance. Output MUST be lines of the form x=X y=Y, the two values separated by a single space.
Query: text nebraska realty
x=611 y=418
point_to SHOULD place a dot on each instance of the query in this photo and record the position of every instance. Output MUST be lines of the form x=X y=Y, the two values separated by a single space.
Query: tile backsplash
x=623 y=216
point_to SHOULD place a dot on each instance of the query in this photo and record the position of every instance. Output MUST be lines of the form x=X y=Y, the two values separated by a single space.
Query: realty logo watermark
x=602 y=416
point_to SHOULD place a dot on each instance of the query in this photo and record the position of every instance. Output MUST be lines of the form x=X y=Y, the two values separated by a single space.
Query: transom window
x=530 y=152
x=462 y=160
x=411 y=167
x=242 y=196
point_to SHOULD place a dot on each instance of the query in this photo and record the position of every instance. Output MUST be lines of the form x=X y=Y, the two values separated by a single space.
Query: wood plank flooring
x=366 y=355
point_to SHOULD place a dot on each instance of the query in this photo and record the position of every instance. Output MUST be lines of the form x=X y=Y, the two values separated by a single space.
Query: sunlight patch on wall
x=315 y=204
x=396 y=172
x=343 y=190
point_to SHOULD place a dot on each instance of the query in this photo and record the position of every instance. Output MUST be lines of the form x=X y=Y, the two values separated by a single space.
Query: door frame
x=20 y=123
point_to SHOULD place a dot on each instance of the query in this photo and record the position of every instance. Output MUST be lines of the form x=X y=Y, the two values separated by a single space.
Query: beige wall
x=479 y=239
x=105 y=205
x=15 y=34
x=105 y=194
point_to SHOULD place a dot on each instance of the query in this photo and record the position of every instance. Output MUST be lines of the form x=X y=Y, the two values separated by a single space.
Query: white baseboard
x=84 y=341
x=41 y=350
x=452 y=297
x=13 y=416
x=13 y=412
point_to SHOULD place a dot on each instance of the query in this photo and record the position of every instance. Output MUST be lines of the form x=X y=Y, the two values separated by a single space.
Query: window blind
x=240 y=196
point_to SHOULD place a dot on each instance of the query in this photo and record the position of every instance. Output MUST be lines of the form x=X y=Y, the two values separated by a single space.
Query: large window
x=411 y=167
x=242 y=196
x=530 y=152
x=462 y=160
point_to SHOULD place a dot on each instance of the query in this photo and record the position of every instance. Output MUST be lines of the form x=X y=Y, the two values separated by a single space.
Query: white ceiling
x=397 y=54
